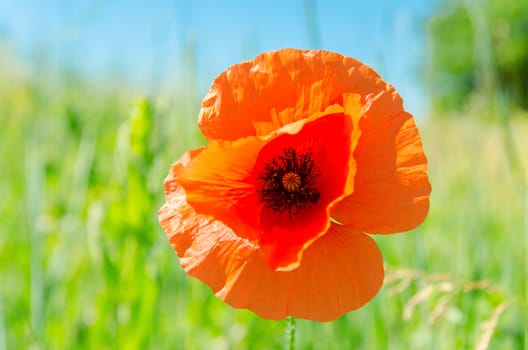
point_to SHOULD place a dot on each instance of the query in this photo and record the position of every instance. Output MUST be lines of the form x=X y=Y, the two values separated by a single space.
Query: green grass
x=85 y=265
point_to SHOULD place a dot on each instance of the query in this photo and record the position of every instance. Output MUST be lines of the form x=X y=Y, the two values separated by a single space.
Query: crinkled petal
x=289 y=82
x=223 y=181
x=286 y=236
x=220 y=182
x=391 y=192
x=340 y=271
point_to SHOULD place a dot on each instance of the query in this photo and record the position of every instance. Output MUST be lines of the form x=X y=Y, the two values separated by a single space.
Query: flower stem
x=290 y=333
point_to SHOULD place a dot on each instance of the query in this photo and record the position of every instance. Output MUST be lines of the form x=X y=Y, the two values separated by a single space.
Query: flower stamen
x=289 y=182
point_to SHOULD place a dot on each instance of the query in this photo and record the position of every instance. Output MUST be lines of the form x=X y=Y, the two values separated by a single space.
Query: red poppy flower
x=308 y=150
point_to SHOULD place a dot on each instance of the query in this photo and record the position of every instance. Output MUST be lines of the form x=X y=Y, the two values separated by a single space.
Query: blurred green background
x=85 y=146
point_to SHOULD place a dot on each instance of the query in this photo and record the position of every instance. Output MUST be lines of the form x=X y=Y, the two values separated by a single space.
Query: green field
x=85 y=265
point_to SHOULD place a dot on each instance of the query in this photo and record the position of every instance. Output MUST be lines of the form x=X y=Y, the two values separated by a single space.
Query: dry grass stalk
x=439 y=309
x=422 y=295
x=442 y=289
x=490 y=325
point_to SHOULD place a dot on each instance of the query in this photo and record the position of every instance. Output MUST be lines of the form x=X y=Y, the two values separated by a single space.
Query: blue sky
x=151 y=42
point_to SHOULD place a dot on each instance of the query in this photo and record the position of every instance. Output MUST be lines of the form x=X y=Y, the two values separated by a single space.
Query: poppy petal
x=285 y=236
x=223 y=182
x=391 y=192
x=190 y=234
x=220 y=182
x=247 y=95
x=341 y=271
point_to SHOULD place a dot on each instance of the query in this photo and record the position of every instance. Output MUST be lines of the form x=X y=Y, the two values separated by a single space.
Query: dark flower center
x=289 y=182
